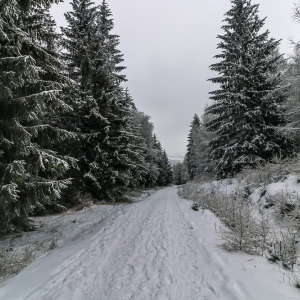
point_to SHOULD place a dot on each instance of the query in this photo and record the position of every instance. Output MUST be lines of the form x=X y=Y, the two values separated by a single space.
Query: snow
x=158 y=248
x=289 y=187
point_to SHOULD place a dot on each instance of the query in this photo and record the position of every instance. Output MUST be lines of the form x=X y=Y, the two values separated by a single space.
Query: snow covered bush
x=273 y=171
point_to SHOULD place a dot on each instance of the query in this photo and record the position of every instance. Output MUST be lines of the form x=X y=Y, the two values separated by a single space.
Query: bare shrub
x=294 y=219
x=294 y=277
x=283 y=203
x=285 y=248
x=245 y=232
x=263 y=231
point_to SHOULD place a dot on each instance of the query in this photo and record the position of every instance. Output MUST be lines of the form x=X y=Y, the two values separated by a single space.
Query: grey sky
x=168 y=46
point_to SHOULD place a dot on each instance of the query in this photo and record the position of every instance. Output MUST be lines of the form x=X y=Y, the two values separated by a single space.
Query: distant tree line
x=254 y=115
x=66 y=122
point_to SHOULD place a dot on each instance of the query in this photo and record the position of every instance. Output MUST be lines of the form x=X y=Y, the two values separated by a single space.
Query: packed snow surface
x=156 y=249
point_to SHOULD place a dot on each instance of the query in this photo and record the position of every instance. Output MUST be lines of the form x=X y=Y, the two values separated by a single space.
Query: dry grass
x=83 y=200
x=134 y=194
x=13 y=261
x=124 y=200
x=53 y=244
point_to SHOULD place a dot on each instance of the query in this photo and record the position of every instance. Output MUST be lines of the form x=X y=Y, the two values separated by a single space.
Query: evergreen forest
x=69 y=127
x=92 y=207
x=67 y=123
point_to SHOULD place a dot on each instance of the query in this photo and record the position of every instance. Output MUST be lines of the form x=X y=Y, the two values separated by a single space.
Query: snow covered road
x=157 y=249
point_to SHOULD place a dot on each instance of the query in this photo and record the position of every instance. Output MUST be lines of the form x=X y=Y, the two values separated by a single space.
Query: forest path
x=150 y=250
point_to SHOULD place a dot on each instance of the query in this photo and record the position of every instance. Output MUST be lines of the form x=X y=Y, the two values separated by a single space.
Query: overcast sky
x=168 y=46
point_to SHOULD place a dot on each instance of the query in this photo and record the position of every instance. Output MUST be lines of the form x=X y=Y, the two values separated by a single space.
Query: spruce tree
x=169 y=171
x=180 y=172
x=177 y=173
x=165 y=176
x=293 y=103
x=160 y=181
x=201 y=139
x=30 y=88
x=110 y=159
x=147 y=144
x=192 y=147
x=184 y=171
x=249 y=104
x=125 y=158
x=79 y=43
